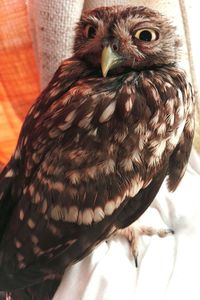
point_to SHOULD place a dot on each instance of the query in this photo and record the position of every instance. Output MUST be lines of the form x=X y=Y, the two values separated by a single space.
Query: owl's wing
x=141 y=201
x=12 y=177
x=6 y=204
x=174 y=166
x=68 y=191
x=180 y=156
x=67 y=74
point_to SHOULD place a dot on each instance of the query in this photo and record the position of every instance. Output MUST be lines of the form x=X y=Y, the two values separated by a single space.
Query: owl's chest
x=141 y=128
x=119 y=125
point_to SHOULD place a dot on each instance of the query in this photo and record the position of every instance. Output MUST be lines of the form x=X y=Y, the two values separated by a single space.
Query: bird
x=115 y=121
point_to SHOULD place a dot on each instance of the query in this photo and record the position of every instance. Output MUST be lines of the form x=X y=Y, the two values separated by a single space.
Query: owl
x=114 y=122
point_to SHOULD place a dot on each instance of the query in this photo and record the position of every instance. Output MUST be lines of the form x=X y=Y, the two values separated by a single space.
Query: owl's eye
x=146 y=35
x=90 y=31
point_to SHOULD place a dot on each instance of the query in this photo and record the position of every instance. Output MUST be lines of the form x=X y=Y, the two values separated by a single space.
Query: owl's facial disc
x=109 y=60
x=133 y=39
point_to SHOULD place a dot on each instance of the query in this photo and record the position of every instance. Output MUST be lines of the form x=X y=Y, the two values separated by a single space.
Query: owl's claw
x=135 y=230
x=136 y=261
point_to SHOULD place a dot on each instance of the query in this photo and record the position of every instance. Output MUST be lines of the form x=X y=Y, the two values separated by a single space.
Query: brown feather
x=93 y=151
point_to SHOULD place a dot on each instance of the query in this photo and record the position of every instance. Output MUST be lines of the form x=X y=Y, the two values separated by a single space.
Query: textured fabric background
x=19 y=84
x=52 y=25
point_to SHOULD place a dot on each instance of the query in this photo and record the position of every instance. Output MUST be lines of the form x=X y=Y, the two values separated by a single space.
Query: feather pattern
x=92 y=155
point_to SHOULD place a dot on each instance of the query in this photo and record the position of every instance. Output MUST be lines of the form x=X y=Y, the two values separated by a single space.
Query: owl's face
x=122 y=38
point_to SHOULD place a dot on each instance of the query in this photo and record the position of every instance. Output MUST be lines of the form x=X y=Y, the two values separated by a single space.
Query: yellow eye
x=146 y=35
x=90 y=31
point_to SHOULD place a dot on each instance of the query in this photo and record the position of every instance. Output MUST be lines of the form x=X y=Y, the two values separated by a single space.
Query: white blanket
x=169 y=268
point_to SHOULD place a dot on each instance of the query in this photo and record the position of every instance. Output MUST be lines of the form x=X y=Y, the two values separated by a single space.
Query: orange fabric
x=19 y=82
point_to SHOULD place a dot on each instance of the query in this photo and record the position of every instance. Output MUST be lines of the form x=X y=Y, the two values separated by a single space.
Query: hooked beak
x=109 y=60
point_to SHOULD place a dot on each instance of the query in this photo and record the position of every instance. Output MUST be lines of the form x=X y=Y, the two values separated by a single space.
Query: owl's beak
x=109 y=60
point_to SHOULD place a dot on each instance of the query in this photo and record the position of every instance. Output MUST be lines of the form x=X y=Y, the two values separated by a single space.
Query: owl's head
x=123 y=38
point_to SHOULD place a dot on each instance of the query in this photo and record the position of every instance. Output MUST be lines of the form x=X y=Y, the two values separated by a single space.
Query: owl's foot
x=135 y=230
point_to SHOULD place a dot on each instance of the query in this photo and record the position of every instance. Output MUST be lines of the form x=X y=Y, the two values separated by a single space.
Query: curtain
x=19 y=82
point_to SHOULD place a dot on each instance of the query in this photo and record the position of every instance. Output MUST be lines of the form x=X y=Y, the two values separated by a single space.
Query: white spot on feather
x=31 y=223
x=109 y=208
x=87 y=216
x=34 y=239
x=66 y=99
x=25 y=140
x=93 y=132
x=36 y=157
x=129 y=105
x=21 y=214
x=59 y=186
x=68 y=120
x=167 y=85
x=17 y=154
x=64 y=127
x=90 y=172
x=10 y=173
x=154 y=161
x=31 y=189
x=36 y=115
x=180 y=95
x=162 y=129
x=56 y=213
x=98 y=214
x=31 y=110
x=140 y=128
x=109 y=166
x=25 y=190
x=20 y=257
x=108 y=112
x=18 y=244
x=73 y=176
x=70 y=117
x=142 y=141
x=136 y=156
x=73 y=214
x=155 y=119
x=158 y=151
x=127 y=164
x=171 y=119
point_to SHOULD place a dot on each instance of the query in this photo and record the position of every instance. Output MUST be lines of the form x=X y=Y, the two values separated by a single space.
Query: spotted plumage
x=94 y=148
